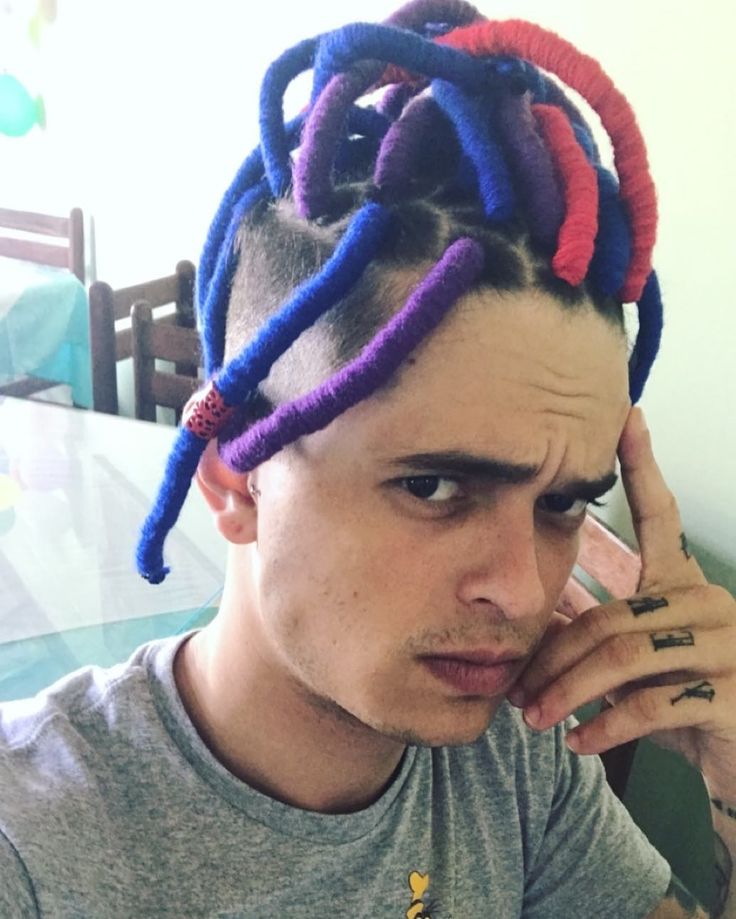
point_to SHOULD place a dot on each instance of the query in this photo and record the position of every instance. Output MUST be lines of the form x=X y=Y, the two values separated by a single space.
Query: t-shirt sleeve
x=592 y=860
x=17 y=898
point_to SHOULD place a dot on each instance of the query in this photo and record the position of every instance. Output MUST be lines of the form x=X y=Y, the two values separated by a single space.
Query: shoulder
x=53 y=738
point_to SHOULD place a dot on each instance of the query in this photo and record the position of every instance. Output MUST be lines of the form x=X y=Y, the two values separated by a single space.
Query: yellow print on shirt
x=418 y=884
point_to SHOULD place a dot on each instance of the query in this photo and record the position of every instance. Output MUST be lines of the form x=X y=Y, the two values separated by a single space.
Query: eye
x=431 y=488
x=566 y=506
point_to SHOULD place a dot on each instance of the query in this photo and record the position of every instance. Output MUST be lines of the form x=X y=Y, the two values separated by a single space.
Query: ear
x=228 y=495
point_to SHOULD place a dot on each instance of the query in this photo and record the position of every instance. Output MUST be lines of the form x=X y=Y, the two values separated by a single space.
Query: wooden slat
x=76 y=262
x=172 y=343
x=607 y=559
x=144 y=365
x=29 y=222
x=26 y=386
x=172 y=390
x=30 y=251
x=156 y=293
x=172 y=297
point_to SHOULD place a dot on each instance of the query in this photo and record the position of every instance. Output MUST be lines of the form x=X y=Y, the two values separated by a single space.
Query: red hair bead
x=206 y=413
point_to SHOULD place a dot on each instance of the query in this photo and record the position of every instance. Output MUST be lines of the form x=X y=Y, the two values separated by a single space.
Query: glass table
x=75 y=487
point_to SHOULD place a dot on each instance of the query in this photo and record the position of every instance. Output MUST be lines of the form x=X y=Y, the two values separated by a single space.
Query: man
x=340 y=738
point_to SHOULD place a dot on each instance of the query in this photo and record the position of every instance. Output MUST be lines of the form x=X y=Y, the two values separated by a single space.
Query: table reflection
x=75 y=487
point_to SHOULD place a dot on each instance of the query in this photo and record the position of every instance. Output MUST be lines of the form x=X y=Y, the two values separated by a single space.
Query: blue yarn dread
x=467 y=89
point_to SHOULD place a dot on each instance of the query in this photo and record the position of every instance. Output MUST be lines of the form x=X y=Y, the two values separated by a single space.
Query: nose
x=501 y=574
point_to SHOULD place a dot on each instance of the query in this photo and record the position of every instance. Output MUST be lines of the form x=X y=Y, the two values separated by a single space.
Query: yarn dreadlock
x=516 y=196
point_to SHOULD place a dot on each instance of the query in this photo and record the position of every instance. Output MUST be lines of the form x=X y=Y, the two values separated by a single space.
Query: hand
x=665 y=659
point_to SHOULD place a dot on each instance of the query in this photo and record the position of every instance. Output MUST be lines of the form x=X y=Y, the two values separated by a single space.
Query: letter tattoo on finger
x=639 y=605
x=684 y=546
x=681 y=639
x=724 y=808
x=703 y=690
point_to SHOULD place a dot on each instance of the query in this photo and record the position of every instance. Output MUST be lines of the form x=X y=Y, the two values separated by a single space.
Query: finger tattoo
x=681 y=639
x=703 y=690
x=684 y=546
x=724 y=808
x=639 y=605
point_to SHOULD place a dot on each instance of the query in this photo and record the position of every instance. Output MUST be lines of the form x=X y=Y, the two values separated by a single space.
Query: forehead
x=512 y=375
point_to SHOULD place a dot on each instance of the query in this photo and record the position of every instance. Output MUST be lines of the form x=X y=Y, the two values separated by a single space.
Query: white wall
x=152 y=106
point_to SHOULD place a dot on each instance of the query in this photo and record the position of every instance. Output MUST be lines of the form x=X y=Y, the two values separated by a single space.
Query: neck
x=270 y=730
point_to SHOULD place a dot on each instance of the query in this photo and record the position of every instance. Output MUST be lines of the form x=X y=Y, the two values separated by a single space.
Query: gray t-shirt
x=112 y=806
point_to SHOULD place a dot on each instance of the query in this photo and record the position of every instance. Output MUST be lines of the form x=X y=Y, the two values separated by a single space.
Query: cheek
x=556 y=556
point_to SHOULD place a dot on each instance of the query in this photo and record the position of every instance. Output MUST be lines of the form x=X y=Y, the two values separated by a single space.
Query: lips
x=480 y=673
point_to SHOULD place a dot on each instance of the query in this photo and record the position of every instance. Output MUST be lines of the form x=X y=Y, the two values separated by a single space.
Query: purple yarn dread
x=524 y=148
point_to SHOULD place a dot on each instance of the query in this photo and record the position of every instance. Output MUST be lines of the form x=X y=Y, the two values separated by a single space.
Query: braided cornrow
x=513 y=195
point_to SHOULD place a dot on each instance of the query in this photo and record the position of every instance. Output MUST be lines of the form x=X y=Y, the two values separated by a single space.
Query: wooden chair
x=67 y=233
x=171 y=298
x=154 y=341
x=43 y=239
x=613 y=569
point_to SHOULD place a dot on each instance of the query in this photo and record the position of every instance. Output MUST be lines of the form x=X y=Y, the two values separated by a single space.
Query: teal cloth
x=45 y=333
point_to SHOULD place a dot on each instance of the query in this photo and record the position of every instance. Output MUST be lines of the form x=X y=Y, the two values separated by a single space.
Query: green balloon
x=19 y=111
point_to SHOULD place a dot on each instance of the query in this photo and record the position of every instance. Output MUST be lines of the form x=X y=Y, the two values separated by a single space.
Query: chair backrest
x=44 y=239
x=154 y=341
x=171 y=298
x=607 y=563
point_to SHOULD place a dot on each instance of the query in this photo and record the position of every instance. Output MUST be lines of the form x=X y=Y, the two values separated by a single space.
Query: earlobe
x=229 y=496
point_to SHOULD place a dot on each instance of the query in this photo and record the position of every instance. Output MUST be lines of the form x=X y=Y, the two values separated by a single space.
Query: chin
x=456 y=725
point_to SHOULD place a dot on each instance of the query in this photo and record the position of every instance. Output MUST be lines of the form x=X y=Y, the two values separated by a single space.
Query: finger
x=705 y=606
x=558 y=624
x=632 y=657
x=704 y=704
x=574 y=600
x=665 y=556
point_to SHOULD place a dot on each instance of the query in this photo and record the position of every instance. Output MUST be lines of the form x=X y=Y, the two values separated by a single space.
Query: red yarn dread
x=585 y=75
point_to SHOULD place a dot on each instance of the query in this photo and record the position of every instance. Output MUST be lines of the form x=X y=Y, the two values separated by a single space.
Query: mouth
x=477 y=673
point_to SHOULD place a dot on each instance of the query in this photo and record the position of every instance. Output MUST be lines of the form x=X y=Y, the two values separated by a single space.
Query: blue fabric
x=354 y=251
x=45 y=330
x=249 y=173
x=494 y=179
x=275 y=142
x=649 y=338
x=612 y=252
x=359 y=41
x=180 y=468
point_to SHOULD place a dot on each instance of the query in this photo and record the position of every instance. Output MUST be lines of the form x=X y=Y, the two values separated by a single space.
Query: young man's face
x=386 y=543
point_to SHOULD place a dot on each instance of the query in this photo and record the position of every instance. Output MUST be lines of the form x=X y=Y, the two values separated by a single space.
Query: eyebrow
x=493 y=470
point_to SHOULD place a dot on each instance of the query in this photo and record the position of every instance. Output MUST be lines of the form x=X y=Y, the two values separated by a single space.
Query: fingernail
x=533 y=714
x=573 y=741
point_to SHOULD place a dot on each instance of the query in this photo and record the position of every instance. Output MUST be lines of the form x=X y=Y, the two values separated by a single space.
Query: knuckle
x=621 y=652
x=644 y=706
x=598 y=623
